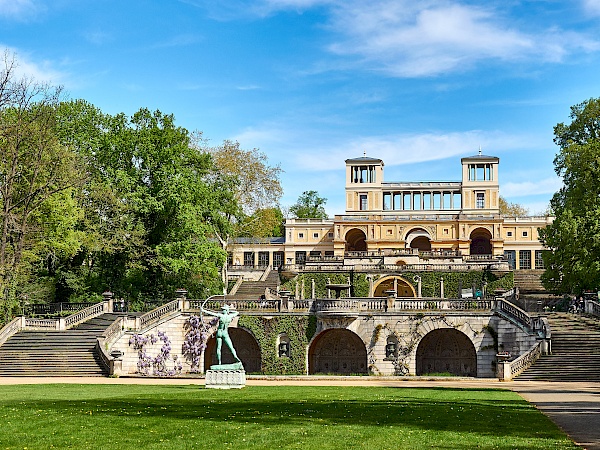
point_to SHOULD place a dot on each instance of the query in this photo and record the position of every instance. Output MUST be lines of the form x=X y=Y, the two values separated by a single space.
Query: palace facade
x=441 y=222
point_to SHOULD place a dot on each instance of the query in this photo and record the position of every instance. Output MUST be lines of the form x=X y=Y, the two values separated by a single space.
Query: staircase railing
x=157 y=314
x=85 y=314
x=515 y=313
x=507 y=370
x=592 y=307
x=13 y=327
x=236 y=286
x=265 y=274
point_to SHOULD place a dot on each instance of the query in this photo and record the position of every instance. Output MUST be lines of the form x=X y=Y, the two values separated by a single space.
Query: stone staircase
x=252 y=290
x=55 y=353
x=533 y=297
x=575 y=351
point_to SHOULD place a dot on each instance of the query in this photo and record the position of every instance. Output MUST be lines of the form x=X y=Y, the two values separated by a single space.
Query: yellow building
x=456 y=222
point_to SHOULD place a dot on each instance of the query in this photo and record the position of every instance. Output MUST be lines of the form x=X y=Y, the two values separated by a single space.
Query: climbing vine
x=196 y=337
x=266 y=330
x=158 y=363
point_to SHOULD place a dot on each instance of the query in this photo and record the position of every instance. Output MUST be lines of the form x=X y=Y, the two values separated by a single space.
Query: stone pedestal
x=225 y=379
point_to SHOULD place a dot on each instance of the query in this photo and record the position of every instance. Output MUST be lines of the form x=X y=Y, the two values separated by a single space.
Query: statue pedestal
x=225 y=379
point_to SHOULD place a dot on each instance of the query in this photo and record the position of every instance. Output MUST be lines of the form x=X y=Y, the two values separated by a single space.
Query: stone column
x=312 y=288
x=442 y=287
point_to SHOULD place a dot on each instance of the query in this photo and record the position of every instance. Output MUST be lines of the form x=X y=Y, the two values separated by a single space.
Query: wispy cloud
x=404 y=38
x=526 y=188
x=43 y=71
x=407 y=40
x=592 y=6
x=20 y=9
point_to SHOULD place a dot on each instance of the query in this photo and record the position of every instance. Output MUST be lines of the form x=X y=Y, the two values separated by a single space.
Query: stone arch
x=356 y=240
x=404 y=288
x=446 y=350
x=418 y=238
x=481 y=242
x=245 y=345
x=337 y=351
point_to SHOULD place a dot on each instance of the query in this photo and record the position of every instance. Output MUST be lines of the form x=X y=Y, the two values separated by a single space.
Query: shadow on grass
x=485 y=412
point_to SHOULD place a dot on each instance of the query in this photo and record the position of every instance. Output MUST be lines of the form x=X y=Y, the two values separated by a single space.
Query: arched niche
x=481 y=242
x=403 y=287
x=245 y=346
x=337 y=351
x=446 y=350
x=356 y=240
x=418 y=238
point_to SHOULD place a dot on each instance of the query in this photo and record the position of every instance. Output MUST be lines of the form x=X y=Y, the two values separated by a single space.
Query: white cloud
x=592 y=6
x=526 y=188
x=437 y=37
x=43 y=71
x=404 y=38
x=19 y=9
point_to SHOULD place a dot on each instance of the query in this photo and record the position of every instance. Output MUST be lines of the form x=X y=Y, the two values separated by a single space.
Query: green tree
x=573 y=239
x=508 y=209
x=309 y=206
x=38 y=178
x=152 y=203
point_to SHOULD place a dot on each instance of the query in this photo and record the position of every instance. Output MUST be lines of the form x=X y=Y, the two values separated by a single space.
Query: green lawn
x=191 y=417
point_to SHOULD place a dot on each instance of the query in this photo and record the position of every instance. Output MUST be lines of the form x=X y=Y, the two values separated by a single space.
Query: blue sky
x=419 y=84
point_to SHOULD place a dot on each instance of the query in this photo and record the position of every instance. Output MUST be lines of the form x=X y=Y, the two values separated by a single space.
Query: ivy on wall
x=430 y=282
x=266 y=330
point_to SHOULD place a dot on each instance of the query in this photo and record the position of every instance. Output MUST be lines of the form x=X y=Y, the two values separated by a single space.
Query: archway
x=356 y=241
x=403 y=287
x=481 y=242
x=245 y=346
x=418 y=238
x=337 y=351
x=446 y=350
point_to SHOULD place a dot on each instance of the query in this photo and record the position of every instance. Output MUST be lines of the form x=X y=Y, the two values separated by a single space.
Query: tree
x=257 y=187
x=309 y=206
x=573 y=239
x=38 y=177
x=512 y=209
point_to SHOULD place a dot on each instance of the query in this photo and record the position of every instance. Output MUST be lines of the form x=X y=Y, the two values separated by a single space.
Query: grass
x=191 y=417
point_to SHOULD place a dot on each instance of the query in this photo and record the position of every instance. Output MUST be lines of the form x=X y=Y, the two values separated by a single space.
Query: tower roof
x=364 y=160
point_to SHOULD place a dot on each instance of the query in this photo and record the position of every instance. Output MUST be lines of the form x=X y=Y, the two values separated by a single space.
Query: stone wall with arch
x=403 y=287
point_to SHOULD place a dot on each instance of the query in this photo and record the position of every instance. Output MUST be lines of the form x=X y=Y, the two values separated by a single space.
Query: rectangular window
x=510 y=256
x=316 y=235
x=417 y=201
x=300 y=235
x=447 y=197
x=277 y=259
x=330 y=235
x=471 y=172
x=446 y=230
x=363 y=202
x=387 y=201
x=229 y=258
x=248 y=258
x=389 y=232
x=525 y=234
x=328 y=253
x=397 y=203
x=524 y=259
x=480 y=175
x=300 y=258
x=488 y=172
x=426 y=200
x=509 y=234
x=480 y=200
x=437 y=200
x=406 y=201
x=539 y=260
x=263 y=259
x=456 y=200
x=315 y=254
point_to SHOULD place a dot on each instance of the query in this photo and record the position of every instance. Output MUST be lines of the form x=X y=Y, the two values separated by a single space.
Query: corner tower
x=364 y=177
x=480 y=187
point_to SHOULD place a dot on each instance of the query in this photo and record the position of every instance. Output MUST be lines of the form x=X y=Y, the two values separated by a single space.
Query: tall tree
x=256 y=193
x=573 y=257
x=508 y=209
x=309 y=206
x=36 y=171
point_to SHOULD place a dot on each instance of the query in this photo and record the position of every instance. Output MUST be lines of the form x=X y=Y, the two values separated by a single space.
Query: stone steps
x=56 y=353
x=575 y=351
